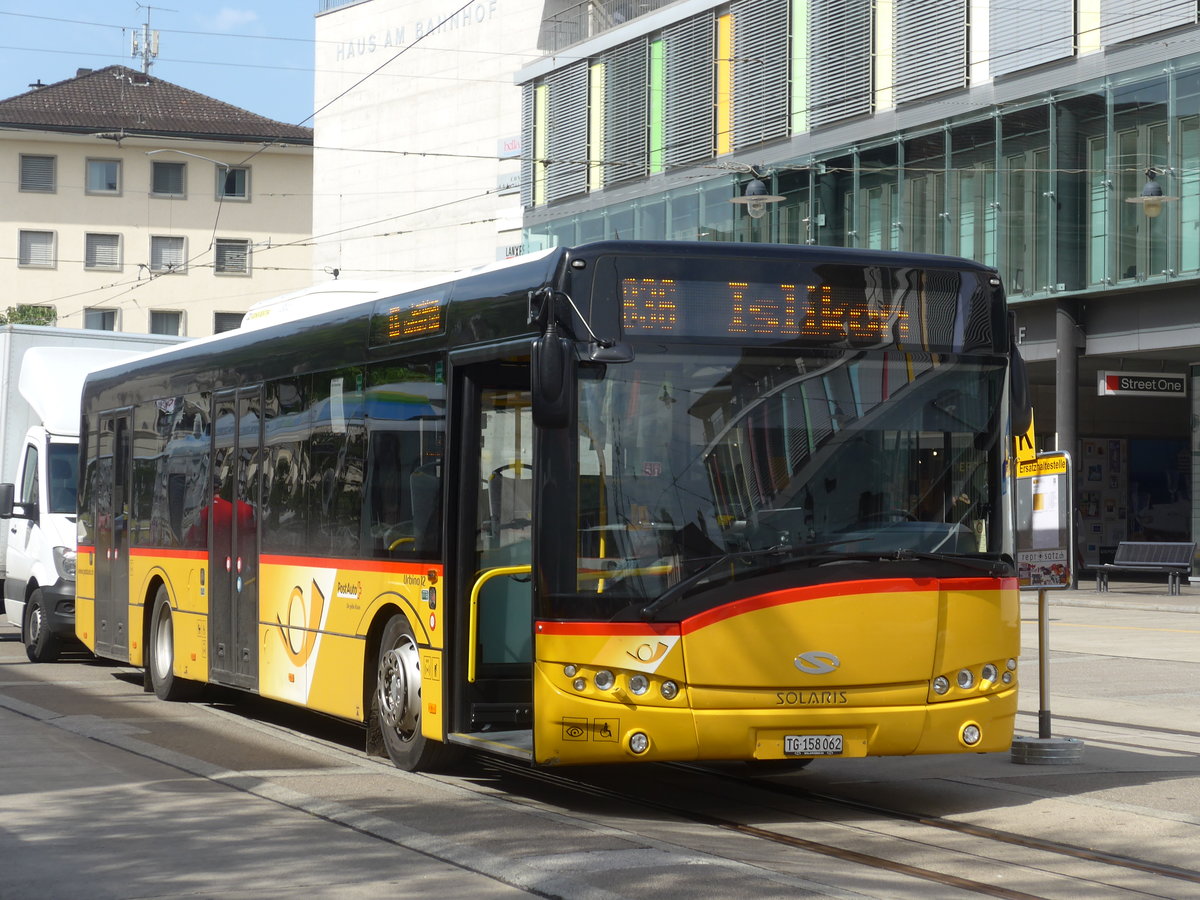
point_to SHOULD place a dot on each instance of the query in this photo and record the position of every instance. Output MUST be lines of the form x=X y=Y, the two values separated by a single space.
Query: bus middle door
x=233 y=536
x=114 y=456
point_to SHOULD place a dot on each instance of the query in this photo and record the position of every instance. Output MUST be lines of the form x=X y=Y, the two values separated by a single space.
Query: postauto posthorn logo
x=817 y=662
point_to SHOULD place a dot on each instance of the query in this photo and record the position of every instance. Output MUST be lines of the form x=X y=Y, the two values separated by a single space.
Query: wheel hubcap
x=400 y=689
x=163 y=645
x=36 y=623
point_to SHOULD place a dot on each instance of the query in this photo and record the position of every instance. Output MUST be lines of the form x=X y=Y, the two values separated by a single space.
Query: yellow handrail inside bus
x=473 y=633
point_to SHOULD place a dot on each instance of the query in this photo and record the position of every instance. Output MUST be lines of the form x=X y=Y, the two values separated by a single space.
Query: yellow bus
x=621 y=502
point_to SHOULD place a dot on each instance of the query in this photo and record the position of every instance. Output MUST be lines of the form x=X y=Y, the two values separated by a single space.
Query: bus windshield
x=744 y=459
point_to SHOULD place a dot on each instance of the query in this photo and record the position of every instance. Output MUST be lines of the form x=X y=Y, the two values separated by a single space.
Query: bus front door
x=114 y=465
x=233 y=537
x=495 y=540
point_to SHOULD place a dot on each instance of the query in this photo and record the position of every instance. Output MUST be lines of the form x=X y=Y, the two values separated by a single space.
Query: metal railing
x=327 y=5
x=591 y=18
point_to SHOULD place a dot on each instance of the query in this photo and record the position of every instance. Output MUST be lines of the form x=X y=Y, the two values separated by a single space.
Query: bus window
x=285 y=430
x=402 y=499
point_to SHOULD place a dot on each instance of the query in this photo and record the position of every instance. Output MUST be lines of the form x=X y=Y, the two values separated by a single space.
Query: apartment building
x=134 y=204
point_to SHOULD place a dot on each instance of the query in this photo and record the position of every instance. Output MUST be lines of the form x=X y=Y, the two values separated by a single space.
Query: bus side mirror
x=7 y=492
x=552 y=377
x=1022 y=400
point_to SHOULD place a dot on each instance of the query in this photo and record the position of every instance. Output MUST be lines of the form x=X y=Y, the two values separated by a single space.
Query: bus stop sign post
x=1045 y=556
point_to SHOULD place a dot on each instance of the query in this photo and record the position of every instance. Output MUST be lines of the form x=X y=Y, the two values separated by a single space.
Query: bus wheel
x=167 y=686
x=41 y=644
x=397 y=701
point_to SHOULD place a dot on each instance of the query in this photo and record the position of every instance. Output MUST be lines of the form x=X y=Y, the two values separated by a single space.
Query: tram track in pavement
x=994 y=837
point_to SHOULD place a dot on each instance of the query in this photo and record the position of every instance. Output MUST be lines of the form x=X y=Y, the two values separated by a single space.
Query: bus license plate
x=812 y=744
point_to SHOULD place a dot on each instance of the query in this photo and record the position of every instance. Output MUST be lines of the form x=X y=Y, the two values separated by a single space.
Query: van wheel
x=167 y=685
x=396 y=702
x=41 y=644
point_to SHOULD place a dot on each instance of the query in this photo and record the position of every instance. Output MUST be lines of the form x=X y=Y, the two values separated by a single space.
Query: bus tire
x=396 y=702
x=161 y=662
x=41 y=644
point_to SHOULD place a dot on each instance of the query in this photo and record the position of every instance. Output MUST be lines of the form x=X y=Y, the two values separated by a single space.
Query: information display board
x=1044 y=521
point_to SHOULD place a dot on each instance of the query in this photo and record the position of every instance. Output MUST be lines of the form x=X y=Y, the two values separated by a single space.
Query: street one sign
x=1141 y=384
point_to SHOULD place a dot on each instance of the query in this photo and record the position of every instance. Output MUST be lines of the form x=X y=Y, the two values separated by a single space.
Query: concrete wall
x=408 y=164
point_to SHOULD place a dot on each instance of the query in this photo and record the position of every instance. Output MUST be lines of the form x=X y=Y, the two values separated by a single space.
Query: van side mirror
x=7 y=492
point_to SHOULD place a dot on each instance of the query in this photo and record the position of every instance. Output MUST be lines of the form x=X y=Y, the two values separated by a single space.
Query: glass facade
x=1046 y=190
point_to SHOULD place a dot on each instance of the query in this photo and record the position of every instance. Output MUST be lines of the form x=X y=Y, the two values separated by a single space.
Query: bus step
x=517 y=744
x=500 y=716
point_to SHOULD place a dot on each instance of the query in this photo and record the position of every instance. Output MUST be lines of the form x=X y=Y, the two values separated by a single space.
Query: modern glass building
x=1057 y=141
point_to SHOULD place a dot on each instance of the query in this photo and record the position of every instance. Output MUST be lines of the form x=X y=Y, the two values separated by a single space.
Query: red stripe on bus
x=359 y=565
x=619 y=629
x=149 y=552
x=843 y=589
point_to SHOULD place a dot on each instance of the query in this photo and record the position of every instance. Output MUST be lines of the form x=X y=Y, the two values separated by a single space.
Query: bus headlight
x=639 y=742
x=989 y=673
x=638 y=685
x=64 y=563
x=941 y=684
x=669 y=690
x=971 y=734
x=966 y=678
x=605 y=680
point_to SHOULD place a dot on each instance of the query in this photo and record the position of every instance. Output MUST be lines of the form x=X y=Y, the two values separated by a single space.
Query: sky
x=256 y=54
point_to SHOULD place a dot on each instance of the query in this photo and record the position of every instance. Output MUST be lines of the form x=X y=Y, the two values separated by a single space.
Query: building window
x=103 y=176
x=226 y=321
x=231 y=257
x=37 y=173
x=168 y=179
x=102 y=251
x=37 y=249
x=233 y=183
x=166 y=322
x=100 y=319
x=167 y=254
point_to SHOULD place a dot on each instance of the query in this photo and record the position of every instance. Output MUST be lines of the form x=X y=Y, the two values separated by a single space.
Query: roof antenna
x=145 y=44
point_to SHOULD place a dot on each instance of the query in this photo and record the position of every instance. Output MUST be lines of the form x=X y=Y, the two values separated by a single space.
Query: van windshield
x=62 y=469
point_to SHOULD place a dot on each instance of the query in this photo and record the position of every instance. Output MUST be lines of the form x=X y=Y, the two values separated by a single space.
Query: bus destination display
x=824 y=312
x=400 y=318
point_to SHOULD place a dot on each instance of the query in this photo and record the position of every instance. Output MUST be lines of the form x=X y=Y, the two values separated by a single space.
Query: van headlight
x=64 y=563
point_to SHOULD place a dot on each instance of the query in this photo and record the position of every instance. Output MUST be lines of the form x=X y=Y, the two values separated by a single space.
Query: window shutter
x=691 y=91
x=1018 y=42
x=567 y=123
x=626 y=85
x=930 y=48
x=231 y=256
x=167 y=178
x=1122 y=20
x=102 y=251
x=527 y=145
x=839 y=76
x=37 y=173
x=760 y=71
x=37 y=248
x=166 y=253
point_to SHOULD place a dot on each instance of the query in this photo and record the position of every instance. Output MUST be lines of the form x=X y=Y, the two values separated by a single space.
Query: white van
x=37 y=507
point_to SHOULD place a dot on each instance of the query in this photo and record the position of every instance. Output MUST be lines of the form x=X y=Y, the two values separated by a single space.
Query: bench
x=1172 y=559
